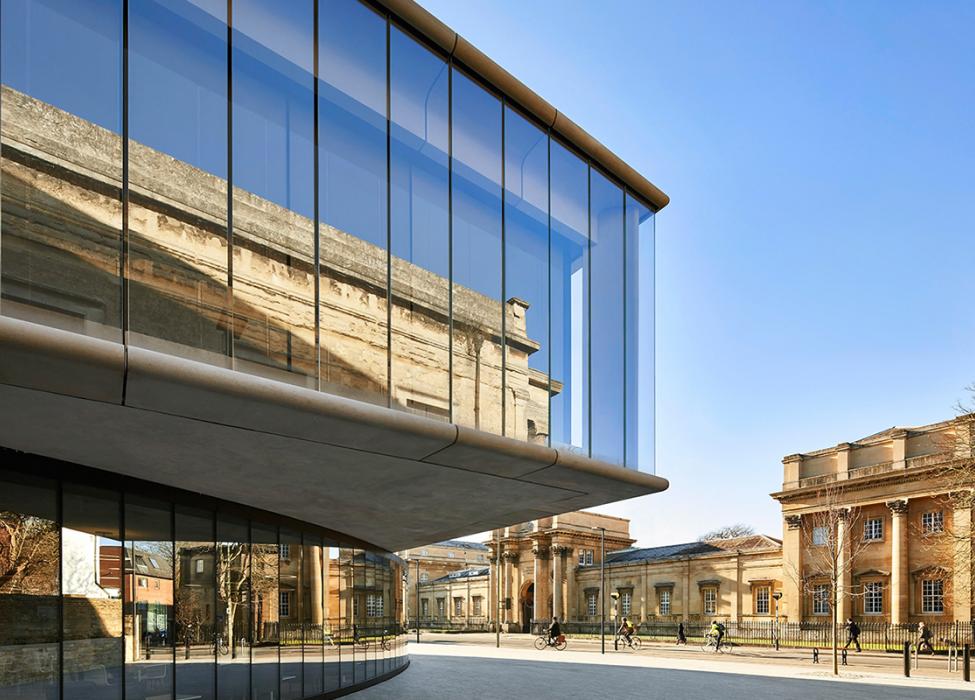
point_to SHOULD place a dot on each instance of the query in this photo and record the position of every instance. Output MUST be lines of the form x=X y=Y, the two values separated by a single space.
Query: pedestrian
x=681 y=635
x=852 y=634
x=924 y=635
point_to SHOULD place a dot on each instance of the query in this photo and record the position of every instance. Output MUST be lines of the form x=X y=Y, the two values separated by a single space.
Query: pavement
x=448 y=666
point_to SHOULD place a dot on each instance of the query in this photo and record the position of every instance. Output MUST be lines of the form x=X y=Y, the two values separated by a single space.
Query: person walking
x=852 y=634
x=681 y=635
x=924 y=636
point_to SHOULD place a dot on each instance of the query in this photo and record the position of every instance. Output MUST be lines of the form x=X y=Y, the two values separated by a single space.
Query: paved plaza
x=447 y=670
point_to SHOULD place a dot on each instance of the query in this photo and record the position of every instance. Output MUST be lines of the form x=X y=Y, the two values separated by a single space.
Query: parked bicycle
x=544 y=641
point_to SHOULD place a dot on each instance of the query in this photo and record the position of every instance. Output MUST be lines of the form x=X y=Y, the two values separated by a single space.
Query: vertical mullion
x=59 y=515
x=450 y=234
x=216 y=599
x=625 y=326
x=548 y=288
x=504 y=281
x=123 y=583
x=230 y=180
x=588 y=320
x=316 y=185
x=124 y=242
x=171 y=623
x=389 y=236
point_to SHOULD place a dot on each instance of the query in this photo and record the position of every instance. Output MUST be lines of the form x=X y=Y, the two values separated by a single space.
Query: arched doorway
x=527 y=606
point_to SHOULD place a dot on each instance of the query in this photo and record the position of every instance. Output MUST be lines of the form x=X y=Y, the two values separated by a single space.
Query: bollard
x=815 y=655
x=907 y=659
x=843 y=658
x=966 y=670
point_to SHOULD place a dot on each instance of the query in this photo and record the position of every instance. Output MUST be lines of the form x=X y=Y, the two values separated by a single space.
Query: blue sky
x=814 y=269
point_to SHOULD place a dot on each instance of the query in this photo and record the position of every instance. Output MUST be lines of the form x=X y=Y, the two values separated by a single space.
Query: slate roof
x=692 y=549
x=463 y=573
x=462 y=545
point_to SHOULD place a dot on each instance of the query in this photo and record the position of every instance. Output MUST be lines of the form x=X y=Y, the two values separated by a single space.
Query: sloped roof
x=692 y=549
x=463 y=573
x=462 y=544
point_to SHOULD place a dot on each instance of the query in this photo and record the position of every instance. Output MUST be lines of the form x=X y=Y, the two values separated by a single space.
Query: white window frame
x=710 y=594
x=476 y=604
x=873 y=598
x=820 y=599
x=284 y=551
x=626 y=602
x=424 y=577
x=199 y=566
x=284 y=603
x=932 y=596
x=590 y=555
x=374 y=605
x=441 y=606
x=763 y=600
x=592 y=603
x=933 y=522
x=873 y=530
x=663 y=603
x=819 y=536
x=458 y=606
x=425 y=607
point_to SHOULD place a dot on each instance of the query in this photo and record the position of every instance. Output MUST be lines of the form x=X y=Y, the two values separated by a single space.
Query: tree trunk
x=836 y=602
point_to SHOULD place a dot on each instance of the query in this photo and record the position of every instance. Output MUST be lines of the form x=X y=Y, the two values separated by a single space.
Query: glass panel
x=476 y=232
x=234 y=633
x=348 y=629
x=29 y=588
x=419 y=228
x=62 y=163
x=195 y=604
x=352 y=200
x=291 y=614
x=569 y=275
x=639 y=336
x=606 y=307
x=91 y=554
x=265 y=603
x=526 y=283
x=148 y=599
x=360 y=631
x=274 y=199
x=312 y=616
x=332 y=576
x=177 y=238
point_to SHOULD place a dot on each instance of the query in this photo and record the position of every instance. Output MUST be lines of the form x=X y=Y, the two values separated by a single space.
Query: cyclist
x=717 y=631
x=626 y=632
x=554 y=631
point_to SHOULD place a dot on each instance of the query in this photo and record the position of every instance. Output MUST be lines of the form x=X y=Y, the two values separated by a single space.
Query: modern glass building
x=284 y=287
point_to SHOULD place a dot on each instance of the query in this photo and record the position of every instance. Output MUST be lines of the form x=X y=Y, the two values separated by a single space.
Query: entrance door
x=528 y=609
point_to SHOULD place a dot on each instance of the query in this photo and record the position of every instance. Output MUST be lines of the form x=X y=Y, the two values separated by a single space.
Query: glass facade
x=132 y=594
x=307 y=192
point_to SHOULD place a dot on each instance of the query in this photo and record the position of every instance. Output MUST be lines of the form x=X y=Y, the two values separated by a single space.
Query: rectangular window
x=424 y=577
x=933 y=522
x=458 y=606
x=284 y=606
x=819 y=536
x=425 y=607
x=873 y=598
x=440 y=606
x=762 y=597
x=932 y=596
x=592 y=606
x=821 y=599
x=665 y=601
x=626 y=602
x=873 y=529
x=589 y=557
x=199 y=566
x=477 y=605
x=710 y=601
x=374 y=605
x=285 y=551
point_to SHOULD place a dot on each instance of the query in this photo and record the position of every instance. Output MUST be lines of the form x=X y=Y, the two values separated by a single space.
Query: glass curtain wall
x=316 y=196
x=419 y=228
x=234 y=636
x=526 y=279
x=353 y=200
x=177 y=267
x=476 y=254
x=274 y=194
x=60 y=127
x=195 y=604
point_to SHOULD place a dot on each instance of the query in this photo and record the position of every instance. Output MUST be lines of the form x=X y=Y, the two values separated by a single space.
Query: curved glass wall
x=171 y=597
x=307 y=192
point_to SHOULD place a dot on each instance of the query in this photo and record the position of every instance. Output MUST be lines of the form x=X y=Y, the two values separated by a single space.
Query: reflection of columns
x=315 y=573
x=792 y=567
x=510 y=559
x=961 y=528
x=495 y=570
x=540 y=603
x=570 y=588
x=844 y=581
x=558 y=554
x=899 y=575
x=326 y=584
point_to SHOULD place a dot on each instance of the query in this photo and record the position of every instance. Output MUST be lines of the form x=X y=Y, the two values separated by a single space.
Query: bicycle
x=544 y=641
x=711 y=643
x=633 y=644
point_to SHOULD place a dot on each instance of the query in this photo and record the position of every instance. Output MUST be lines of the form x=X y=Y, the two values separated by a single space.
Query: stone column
x=844 y=584
x=558 y=560
x=961 y=589
x=900 y=582
x=315 y=576
x=327 y=585
x=792 y=592
x=510 y=559
x=540 y=603
x=571 y=604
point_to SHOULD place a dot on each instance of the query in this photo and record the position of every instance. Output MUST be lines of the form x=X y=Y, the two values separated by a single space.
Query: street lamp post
x=616 y=620
x=497 y=588
x=602 y=588
x=417 y=601
x=776 y=596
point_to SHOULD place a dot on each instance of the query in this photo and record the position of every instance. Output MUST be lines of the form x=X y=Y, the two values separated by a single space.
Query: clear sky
x=815 y=266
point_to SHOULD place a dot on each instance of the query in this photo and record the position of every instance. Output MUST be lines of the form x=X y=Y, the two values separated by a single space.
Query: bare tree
x=728 y=532
x=189 y=614
x=29 y=549
x=829 y=553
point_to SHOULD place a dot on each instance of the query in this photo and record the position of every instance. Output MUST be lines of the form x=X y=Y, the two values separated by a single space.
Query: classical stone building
x=904 y=501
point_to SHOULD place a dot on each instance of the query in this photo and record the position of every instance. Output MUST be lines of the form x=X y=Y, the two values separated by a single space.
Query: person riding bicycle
x=626 y=631
x=554 y=631
x=717 y=632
